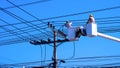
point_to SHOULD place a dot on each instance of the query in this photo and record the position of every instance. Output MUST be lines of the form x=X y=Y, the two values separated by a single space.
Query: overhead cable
x=26 y=4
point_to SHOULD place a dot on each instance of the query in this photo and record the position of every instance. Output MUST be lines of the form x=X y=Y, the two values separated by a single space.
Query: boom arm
x=108 y=37
x=91 y=29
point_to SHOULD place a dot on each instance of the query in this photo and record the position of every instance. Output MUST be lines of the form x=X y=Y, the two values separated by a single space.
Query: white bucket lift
x=91 y=30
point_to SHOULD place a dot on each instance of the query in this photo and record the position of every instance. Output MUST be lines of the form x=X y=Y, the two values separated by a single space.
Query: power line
x=27 y=13
x=96 y=57
x=27 y=4
x=105 y=9
x=113 y=17
x=83 y=20
x=27 y=29
x=14 y=33
x=102 y=30
x=17 y=40
x=79 y=59
x=8 y=59
x=19 y=18
x=23 y=23
x=116 y=7
x=74 y=14
x=110 y=64
x=44 y=55
x=15 y=28
x=99 y=22
x=25 y=63
x=13 y=41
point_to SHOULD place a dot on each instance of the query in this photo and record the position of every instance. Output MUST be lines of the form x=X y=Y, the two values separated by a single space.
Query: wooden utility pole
x=55 y=51
x=55 y=41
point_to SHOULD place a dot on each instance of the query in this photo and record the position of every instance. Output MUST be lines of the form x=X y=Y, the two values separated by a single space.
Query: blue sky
x=85 y=47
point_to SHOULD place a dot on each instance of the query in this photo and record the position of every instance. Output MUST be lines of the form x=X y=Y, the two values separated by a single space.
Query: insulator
x=48 y=24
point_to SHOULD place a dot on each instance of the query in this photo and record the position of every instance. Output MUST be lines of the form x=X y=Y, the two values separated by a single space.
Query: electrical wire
x=28 y=14
x=80 y=20
x=78 y=59
x=41 y=55
x=27 y=29
x=110 y=64
x=116 y=7
x=103 y=23
x=74 y=14
x=14 y=33
x=25 y=11
x=19 y=18
x=74 y=49
x=73 y=21
x=20 y=23
x=24 y=63
x=27 y=4
x=8 y=59
x=83 y=13
x=105 y=30
x=95 y=57
x=44 y=56
x=14 y=26
x=111 y=17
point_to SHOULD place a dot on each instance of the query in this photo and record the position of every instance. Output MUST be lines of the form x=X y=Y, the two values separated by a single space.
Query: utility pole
x=54 y=41
x=55 y=51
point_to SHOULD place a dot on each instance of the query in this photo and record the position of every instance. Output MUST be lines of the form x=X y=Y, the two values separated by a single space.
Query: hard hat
x=91 y=15
x=68 y=22
x=91 y=18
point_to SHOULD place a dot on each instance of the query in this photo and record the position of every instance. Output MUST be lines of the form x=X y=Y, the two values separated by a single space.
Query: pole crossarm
x=49 y=41
x=34 y=42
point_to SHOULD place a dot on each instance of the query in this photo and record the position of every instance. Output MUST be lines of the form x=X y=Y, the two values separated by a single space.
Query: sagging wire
x=14 y=33
x=44 y=55
x=74 y=49
x=116 y=7
x=13 y=41
x=8 y=59
x=59 y=28
x=16 y=17
x=27 y=13
x=26 y=4
x=41 y=55
x=30 y=21
x=6 y=34
x=74 y=14
x=27 y=29
x=81 y=20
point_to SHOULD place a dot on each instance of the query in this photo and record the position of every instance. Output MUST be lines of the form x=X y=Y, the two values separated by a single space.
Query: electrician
x=74 y=33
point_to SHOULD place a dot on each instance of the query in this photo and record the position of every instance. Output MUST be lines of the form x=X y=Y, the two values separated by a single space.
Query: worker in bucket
x=91 y=27
x=91 y=19
x=73 y=32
